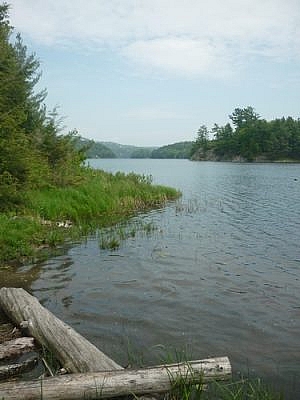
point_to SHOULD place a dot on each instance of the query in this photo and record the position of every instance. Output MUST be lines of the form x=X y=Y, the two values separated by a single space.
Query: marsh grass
x=110 y=243
x=187 y=386
x=50 y=216
x=112 y=238
x=246 y=388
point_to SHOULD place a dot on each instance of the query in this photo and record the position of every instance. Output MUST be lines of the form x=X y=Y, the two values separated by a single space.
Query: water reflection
x=19 y=277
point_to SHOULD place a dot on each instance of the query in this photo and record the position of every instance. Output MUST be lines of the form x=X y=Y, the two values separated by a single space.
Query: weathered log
x=16 y=347
x=110 y=384
x=10 y=370
x=73 y=351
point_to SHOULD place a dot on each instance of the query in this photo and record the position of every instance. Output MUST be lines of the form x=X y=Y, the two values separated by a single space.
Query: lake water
x=218 y=275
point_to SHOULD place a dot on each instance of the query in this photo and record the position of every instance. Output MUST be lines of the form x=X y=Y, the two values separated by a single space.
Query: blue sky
x=150 y=72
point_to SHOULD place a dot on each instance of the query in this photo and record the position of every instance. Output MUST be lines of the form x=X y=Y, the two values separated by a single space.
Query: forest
x=249 y=137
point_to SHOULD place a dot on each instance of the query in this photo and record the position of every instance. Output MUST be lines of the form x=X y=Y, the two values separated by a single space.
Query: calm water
x=219 y=274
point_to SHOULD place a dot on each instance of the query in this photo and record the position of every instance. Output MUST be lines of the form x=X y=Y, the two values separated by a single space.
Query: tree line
x=114 y=150
x=33 y=152
x=249 y=137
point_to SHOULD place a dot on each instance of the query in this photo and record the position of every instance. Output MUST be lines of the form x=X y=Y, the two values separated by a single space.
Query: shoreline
x=53 y=216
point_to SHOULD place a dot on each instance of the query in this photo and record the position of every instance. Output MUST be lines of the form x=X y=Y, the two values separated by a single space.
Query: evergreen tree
x=242 y=117
x=251 y=138
x=32 y=152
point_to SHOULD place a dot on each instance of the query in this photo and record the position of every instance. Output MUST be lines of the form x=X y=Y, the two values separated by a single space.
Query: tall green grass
x=113 y=237
x=246 y=389
x=51 y=215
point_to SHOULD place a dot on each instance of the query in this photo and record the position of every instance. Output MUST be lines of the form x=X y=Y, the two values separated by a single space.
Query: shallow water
x=219 y=274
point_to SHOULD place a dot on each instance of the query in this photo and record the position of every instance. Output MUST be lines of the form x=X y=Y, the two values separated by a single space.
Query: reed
x=112 y=238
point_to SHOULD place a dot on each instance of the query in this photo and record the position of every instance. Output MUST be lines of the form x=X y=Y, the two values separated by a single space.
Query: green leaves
x=252 y=138
x=33 y=153
x=244 y=117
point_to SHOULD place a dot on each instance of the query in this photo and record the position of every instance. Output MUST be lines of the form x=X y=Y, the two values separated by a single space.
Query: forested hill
x=176 y=150
x=95 y=149
x=249 y=137
x=128 y=151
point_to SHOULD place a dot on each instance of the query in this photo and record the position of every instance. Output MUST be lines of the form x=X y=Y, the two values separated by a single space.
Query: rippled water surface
x=218 y=274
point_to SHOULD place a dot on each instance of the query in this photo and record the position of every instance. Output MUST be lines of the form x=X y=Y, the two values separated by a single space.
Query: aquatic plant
x=112 y=238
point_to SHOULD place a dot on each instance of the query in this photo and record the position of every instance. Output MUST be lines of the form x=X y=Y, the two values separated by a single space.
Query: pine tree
x=33 y=153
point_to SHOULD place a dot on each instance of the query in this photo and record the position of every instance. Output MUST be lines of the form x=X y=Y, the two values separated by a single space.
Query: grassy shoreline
x=51 y=216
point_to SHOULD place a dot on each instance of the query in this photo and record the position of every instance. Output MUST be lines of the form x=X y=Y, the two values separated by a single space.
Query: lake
x=217 y=274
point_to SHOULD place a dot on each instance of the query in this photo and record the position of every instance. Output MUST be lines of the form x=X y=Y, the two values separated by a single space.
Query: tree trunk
x=74 y=352
x=118 y=383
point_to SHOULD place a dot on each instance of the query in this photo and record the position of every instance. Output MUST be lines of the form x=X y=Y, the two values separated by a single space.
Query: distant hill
x=143 y=152
x=95 y=149
x=128 y=151
x=116 y=150
x=176 y=150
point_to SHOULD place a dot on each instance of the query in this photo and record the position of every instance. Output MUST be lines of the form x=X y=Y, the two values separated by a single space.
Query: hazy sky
x=150 y=72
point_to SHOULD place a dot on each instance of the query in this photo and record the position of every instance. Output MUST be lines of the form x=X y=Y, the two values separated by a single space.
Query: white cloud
x=180 y=56
x=191 y=37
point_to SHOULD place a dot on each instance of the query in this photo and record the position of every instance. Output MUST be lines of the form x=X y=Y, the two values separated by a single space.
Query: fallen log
x=16 y=347
x=73 y=351
x=110 y=384
x=10 y=370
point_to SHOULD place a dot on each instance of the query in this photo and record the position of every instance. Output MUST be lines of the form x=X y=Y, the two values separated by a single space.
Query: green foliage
x=94 y=149
x=49 y=215
x=244 y=117
x=32 y=152
x=142 y=152
x=252 y=138
x=123 y=150
x=185 y=388
x=202 y=136
x=176 y=150
x=18 y=235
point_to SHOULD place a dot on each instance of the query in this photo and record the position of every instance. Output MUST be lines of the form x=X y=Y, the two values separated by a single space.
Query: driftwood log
x=76 y=354
x=73 y=351
x=16 y=347
x=118 y=383
x=10 y=370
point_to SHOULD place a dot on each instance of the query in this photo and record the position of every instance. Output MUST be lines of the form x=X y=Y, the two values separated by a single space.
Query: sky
x=151 y=72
